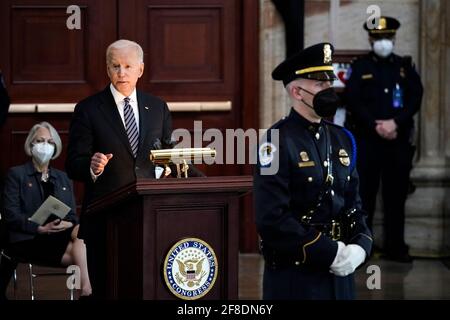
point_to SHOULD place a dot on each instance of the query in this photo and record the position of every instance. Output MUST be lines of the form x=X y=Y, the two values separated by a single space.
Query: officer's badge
x=266 y=153
x=304 y=156
x=326 y=53
x=190 y=269
x=402 y=72
x=344 y=158
x=367 y=76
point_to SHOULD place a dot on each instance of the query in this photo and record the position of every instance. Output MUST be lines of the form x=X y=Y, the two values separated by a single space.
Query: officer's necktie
x=130 y=126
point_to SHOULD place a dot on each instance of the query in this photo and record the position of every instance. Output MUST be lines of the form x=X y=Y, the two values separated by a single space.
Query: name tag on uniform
x=305 y=164
x=367 y=76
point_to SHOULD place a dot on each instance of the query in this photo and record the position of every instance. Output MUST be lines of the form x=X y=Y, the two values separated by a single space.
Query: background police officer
x=311 y=248
x=383 y=93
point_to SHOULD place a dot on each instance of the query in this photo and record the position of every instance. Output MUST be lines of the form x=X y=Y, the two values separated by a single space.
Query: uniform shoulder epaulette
x=355 y=60
x=407 y=61
x=279 y=123
x=360 y=59
x=332 y=124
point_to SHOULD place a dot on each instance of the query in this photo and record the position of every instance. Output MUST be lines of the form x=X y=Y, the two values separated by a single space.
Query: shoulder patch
x=279 y=123
x=266 y=153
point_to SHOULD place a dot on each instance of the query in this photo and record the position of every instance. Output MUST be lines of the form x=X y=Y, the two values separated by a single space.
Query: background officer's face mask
x=325 y=102
x=383 y=47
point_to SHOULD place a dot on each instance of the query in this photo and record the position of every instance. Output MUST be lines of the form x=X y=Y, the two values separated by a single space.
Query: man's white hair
x=121 y=44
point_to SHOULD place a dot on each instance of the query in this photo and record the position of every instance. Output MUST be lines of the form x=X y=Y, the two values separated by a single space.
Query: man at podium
x=111 y=135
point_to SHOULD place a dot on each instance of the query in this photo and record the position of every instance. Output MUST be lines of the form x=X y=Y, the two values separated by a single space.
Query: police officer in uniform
x=383 y=93
x=308 y=211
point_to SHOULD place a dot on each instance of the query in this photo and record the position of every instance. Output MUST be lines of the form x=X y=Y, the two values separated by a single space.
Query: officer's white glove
x=338 y=257
x=349 y=259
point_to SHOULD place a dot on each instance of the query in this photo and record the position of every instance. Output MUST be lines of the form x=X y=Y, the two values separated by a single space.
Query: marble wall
x=428 y=210
x=273 y=100
x=346 y=29
x=347 y=19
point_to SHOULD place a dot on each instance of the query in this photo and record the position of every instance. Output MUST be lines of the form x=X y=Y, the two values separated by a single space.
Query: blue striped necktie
x=130 y=126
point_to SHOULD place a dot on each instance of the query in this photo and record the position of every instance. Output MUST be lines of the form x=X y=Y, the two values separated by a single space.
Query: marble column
x=273 y=98
x=427 y=225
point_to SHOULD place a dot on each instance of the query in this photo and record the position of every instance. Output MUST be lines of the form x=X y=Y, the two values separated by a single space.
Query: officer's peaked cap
x=313 y=63
x=385 y=28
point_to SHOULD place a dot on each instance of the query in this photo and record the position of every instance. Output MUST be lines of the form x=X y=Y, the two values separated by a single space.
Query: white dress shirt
x=120 y=103
x=118 y=99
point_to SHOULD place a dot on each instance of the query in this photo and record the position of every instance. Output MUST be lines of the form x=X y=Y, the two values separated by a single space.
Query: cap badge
x=326 y=53
x=382 y=24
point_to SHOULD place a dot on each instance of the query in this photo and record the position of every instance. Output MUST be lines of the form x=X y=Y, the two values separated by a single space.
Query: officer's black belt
x=333 y=230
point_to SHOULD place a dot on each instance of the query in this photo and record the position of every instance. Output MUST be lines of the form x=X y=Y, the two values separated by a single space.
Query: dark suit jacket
x=97 y=127
x=4 y=102
x=23 y=195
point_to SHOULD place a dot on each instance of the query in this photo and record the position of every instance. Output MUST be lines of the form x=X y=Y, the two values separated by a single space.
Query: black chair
x=8 y=268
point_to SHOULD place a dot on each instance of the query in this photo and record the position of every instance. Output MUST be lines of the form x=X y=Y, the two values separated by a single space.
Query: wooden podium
x=145 y=219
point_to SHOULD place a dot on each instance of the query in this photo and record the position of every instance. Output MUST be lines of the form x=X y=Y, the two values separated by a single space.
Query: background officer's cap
x=386 y=28
x=313 y=63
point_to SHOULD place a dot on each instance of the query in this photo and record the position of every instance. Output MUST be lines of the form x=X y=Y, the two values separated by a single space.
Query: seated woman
x=26 y=188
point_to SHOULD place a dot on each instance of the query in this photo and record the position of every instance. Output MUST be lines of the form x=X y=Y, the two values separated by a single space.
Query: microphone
x=157 y=144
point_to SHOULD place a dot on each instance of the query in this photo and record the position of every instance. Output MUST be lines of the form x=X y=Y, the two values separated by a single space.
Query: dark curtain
x=293 y=13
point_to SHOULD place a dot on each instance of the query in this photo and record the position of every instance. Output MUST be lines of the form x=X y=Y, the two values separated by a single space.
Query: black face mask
x=325 y=102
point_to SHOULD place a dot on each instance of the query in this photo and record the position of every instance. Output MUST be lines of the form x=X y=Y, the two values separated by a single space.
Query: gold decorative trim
x=306 y=164
x=367 y=76
x=314 y=69
x=309 y=243
x=362 y=234
x=382 y=31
